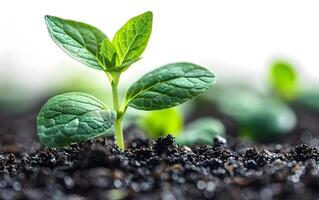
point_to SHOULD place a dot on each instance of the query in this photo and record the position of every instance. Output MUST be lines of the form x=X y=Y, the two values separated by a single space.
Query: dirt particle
x=163 y=144
x=303 y=153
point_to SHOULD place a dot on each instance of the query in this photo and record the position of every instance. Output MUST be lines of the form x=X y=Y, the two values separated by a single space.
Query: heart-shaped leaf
x=169 y=86
x=131 y=40
x=72 y=118
x=79 y=40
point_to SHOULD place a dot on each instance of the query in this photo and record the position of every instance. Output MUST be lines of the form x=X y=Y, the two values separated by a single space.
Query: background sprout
x=259 y=117
x=162 y=122
x=273 y=119
x=284 y=79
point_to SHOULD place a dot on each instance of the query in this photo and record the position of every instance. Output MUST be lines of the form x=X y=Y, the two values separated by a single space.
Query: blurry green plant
x=161 y=122
x=273 y=119
x=75 y=117
x=259 y=117
x=284 y=79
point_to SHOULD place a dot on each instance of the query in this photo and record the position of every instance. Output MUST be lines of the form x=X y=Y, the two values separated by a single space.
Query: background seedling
x=162 y=122
x=284 y=80
x=75 y=117
x=259 y=117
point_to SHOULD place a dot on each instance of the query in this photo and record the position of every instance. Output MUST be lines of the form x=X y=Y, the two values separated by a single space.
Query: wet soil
x=159 y=169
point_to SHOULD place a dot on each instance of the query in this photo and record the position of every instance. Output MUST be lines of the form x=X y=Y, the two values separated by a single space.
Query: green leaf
x=161 y=123
x=284 y=79
x=79 y=40
x=131 y=40
x=108 y=54
x=169 y=86
x=71 y=118
x=201 y=131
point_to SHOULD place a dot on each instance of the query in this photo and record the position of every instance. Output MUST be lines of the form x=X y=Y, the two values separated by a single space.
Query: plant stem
x=119 y=134
x=119 y=139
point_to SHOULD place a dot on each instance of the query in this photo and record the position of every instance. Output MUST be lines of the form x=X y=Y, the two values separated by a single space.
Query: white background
x=236 y=39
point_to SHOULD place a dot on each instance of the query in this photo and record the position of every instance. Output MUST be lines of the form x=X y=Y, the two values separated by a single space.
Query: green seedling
x=76 y=117
x=284 y=80
x=161 y=122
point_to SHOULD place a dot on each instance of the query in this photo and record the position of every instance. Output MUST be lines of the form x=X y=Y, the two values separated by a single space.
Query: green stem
x=119 y=114
x=119 y=134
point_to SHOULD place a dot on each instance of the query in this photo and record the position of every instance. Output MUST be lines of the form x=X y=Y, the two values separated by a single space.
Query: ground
x=158 y=169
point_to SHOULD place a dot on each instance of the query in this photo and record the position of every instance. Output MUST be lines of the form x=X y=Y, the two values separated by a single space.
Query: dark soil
x=159 y=169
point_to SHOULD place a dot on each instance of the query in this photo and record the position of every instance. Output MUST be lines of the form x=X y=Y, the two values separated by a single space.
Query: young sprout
x=76 y=117
x=284 y=80
x=160 y=123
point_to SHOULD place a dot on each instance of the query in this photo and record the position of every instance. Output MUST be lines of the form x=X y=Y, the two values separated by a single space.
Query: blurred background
x=238 y=40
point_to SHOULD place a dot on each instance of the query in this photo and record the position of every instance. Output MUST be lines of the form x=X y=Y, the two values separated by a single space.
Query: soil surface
x=159 y=169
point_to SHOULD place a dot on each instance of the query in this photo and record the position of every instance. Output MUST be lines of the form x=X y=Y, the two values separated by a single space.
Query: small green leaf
x=169 y=86
x=131 y=40
x=201 y=131
x=71 y=118
x=284 y=79
x=161 y=123
x=108 y=54
x=79 y=40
